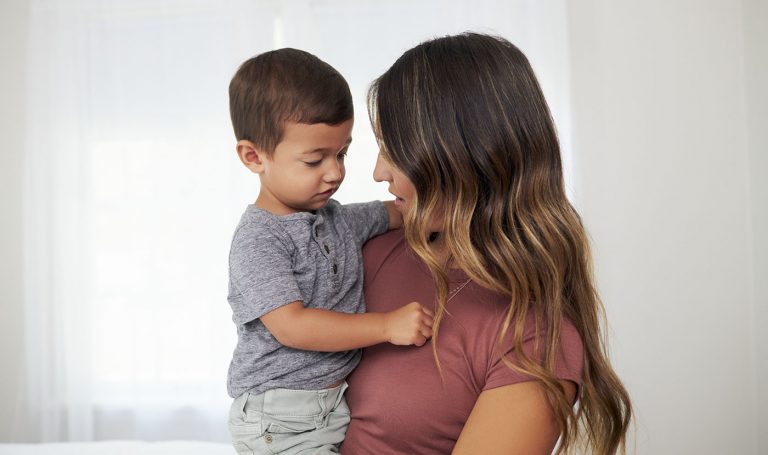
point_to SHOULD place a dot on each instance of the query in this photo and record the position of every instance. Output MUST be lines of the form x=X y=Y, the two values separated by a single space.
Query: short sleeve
x=260 y=272
x=366 y=219
x=568 y=364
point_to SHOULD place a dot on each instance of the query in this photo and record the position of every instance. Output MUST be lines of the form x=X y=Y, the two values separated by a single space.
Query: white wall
x=13 y=18
x=663 y=185
x=755 y=15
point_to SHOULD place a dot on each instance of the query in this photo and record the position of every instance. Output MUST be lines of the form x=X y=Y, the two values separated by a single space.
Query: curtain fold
x=132 y=187
x=56 y=214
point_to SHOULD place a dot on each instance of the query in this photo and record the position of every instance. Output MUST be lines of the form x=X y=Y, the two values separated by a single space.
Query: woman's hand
x=408 y=325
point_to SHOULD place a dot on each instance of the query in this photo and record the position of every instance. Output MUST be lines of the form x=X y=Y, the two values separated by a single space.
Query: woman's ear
x=251 y=156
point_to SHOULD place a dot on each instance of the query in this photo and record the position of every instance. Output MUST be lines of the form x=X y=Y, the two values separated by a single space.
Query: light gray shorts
x=288 y=422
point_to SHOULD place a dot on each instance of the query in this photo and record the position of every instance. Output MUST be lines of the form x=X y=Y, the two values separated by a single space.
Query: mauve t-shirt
x=398 y=402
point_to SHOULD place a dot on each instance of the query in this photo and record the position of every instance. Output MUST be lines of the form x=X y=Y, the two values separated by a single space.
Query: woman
x=469 y=149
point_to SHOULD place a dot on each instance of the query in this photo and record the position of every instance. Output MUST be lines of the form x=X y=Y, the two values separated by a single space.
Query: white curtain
x=132 y=187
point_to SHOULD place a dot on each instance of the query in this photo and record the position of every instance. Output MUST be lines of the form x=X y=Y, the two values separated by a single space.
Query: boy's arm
x=369 y=219
x=395 y=217
x=313 y=329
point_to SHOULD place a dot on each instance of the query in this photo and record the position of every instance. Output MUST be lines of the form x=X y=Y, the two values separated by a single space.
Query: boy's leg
x=245 y=428
x=292 y=422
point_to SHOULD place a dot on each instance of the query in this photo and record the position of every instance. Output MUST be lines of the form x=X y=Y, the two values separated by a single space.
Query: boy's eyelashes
x=340 y=157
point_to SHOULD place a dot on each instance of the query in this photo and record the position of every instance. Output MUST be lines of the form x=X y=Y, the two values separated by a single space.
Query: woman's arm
x=510 y=420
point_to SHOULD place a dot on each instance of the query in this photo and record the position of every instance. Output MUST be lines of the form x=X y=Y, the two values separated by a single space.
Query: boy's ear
x=251 y=156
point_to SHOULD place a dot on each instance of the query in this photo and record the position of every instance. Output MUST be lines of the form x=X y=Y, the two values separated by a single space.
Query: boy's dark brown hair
x=285 y=85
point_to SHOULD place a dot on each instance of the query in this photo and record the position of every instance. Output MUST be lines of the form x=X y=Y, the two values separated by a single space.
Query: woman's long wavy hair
x=464 y=118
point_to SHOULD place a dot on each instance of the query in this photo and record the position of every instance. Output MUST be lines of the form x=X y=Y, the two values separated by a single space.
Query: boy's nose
x=335 y=172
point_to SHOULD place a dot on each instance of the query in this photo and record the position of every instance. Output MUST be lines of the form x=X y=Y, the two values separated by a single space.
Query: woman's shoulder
x=569 y=356
x=484 y=313
x=386 y=240
x=376 y=250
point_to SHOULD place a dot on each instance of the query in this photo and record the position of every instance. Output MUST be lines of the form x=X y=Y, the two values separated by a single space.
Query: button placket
x=325 y=249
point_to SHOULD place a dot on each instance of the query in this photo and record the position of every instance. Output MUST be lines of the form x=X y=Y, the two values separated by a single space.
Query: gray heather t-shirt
x=278 y=259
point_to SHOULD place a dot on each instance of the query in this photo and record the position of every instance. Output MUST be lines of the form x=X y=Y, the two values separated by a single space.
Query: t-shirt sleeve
x=260 y=272
x=568 y=364
x=366 y=219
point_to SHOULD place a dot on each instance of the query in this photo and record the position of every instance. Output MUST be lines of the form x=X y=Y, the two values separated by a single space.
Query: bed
x=119 y=448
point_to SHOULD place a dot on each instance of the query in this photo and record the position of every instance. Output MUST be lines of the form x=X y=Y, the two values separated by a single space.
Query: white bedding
x=119 y=448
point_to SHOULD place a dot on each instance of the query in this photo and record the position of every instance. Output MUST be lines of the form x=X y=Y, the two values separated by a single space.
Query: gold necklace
x=432 y=237
x=458 y=289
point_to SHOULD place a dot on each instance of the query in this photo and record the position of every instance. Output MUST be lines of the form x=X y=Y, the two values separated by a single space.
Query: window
x=133 y=188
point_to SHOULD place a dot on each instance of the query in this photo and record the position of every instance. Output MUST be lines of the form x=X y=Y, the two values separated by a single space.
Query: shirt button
x=335 y=269
x=268 y=438
x=327 y=250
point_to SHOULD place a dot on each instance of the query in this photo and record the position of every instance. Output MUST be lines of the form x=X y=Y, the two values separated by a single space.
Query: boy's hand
x=411 y=324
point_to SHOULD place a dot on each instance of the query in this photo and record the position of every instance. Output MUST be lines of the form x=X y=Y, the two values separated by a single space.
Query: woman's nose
x=381 y=172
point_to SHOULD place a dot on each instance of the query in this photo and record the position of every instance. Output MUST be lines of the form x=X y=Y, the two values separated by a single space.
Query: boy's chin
x=315 y=205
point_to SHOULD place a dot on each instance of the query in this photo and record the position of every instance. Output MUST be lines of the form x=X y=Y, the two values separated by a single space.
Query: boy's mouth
x=328 y=193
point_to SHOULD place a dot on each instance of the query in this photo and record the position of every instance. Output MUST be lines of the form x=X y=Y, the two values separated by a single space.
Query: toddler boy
x=295 y=265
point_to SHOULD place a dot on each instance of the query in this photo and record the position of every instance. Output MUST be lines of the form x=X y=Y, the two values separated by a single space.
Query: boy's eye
x=313 y=163
x=342 y=155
